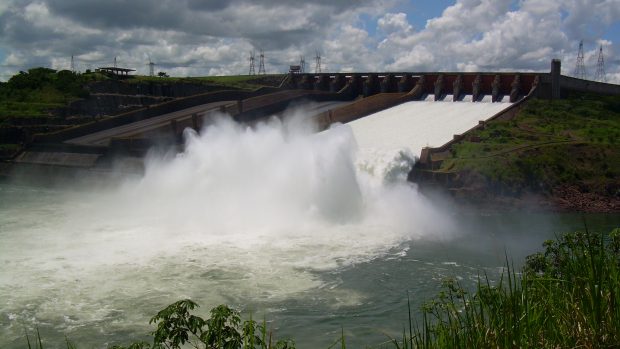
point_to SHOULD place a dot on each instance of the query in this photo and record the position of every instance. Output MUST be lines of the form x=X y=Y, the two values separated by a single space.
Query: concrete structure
x=516 y=85
x=439 y=85
x=116 y=72
x=352 y=96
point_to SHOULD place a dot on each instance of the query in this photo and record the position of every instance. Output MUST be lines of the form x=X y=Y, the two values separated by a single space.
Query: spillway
x=415 y=125
x=402 y=131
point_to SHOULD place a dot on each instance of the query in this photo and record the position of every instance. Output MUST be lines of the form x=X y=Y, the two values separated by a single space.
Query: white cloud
x=14 y=60
x=191 y=37
x=496 y=35
x=419 y=58
x=394 y=23
x=613 y=78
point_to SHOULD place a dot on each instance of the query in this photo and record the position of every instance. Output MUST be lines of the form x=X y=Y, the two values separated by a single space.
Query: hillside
x=38 y=91
x=561 y=154
x=42 y=100
x=43 y=92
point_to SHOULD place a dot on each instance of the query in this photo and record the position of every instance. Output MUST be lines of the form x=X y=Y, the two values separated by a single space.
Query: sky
x=215 y=37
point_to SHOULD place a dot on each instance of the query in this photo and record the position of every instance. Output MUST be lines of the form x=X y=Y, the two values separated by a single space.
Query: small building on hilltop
x=115 y=72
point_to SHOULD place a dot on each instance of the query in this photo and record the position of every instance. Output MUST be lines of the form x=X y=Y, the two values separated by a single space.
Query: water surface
x=277 y=221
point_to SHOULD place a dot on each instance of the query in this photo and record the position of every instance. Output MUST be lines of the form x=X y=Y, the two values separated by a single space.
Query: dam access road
x=145 y=128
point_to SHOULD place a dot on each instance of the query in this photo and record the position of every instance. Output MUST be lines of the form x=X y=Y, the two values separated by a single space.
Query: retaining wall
x=247 y=110
x=569 y=84
x=145 y=113
x=108 y=104
x=360 y=108
x=265 y=105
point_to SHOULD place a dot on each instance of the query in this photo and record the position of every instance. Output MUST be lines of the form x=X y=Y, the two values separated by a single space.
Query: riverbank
x=554 y=155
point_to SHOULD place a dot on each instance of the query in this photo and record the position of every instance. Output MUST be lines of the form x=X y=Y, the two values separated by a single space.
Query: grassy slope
x=34 y=94
x=36 y=97
x=549 y=145
x=35 y=104
x=248 y=82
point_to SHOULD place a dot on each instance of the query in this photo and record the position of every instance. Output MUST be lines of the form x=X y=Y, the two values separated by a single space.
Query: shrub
x=567 y=296
x=177 y=326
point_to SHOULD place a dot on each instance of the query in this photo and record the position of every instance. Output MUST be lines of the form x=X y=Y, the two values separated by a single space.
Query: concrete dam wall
x=337 y=98
x=478 y=85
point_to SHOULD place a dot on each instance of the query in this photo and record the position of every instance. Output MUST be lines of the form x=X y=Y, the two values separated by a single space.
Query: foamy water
x=243 y=216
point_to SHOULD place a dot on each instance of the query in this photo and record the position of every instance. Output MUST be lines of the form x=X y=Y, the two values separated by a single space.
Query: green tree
x=177 y=326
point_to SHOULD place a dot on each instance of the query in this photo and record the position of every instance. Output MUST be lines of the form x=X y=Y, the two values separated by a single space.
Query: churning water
x=276 y=220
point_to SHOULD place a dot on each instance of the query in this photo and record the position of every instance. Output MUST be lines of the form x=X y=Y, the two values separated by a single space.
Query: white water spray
x=243 y=214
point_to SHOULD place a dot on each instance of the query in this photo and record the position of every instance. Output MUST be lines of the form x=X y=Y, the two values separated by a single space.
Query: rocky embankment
x=573 y=198
x=472 y=189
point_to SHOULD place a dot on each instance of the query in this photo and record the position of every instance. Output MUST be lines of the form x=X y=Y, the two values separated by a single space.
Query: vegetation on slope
x=244 y=82
x=551 y=147
x=565 y=297
x=35 y=92
x=40 y=100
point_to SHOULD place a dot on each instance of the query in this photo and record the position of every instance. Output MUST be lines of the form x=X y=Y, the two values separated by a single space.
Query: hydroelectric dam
x=424 y=112
x=240 y=200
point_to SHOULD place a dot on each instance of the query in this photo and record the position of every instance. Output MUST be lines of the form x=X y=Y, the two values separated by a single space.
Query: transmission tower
x=600 y=67
x=252 y=71
x=580 y=67
x=151 y=67
x=302 y=64
x=72 y=64
x=261 y=64
x=317 y=68
x=114 y=61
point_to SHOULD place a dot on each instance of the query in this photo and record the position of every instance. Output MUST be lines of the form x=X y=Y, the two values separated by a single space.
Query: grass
x=9 y=149
x=565 y=297
x=39 y=344
x=548 y=144
x=245 y=82
x=27 y=109
x=39 y=90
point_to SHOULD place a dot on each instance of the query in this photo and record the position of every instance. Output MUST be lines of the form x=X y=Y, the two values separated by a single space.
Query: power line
x=580 y=67
x=600 y=67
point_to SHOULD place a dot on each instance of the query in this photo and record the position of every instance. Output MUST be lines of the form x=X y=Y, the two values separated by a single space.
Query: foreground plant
x=177 y=326
x=566 y=297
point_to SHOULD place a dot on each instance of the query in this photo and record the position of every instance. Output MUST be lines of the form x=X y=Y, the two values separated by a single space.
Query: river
x=303 y=229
